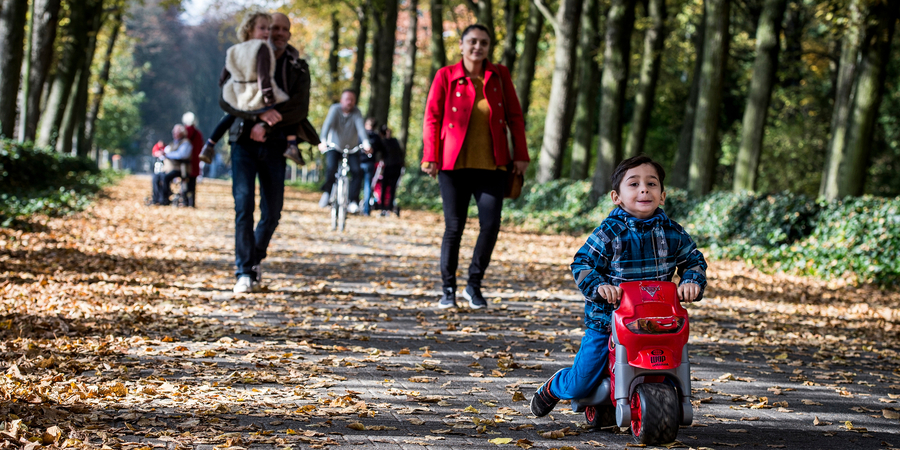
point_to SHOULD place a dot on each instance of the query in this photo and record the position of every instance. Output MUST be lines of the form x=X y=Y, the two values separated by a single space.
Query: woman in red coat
x=470 y=106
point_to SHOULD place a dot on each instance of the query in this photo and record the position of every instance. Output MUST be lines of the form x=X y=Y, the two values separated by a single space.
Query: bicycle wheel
x=344 y=199
x=335 y=204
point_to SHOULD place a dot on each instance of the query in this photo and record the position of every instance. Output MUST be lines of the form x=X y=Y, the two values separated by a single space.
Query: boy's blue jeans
x=586 y=372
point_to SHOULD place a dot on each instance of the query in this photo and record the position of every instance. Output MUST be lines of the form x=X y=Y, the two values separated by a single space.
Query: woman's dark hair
x=633 y=162
x=477 y=26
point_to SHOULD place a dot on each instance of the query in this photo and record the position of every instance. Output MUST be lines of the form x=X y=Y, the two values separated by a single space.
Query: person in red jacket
x=196 y=137
x=470 y=107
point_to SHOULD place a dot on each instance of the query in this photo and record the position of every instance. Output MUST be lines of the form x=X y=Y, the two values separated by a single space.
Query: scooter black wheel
x=654 y=413
x=600 y=416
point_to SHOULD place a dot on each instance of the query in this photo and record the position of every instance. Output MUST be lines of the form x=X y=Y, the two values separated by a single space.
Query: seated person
x=175 y=154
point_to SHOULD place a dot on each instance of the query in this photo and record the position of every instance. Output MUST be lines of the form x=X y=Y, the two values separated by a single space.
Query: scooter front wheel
x=654 y=413
x=600 y=416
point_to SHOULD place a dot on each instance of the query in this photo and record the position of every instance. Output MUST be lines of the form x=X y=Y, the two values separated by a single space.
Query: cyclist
x=343 y=127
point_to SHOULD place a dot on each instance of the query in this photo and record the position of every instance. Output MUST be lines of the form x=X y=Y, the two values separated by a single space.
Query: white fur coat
x=242 y=90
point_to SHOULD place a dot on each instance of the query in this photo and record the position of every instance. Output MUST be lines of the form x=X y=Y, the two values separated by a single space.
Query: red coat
x=196 y=137
x=449 y=107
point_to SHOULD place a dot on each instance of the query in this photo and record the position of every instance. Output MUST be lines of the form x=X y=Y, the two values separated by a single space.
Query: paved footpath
x=344 y=349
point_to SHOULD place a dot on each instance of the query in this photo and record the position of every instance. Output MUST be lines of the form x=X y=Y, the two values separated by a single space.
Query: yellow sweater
x=477 y=151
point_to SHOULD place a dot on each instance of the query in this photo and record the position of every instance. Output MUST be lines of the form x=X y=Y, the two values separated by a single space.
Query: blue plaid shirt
x=625 y=248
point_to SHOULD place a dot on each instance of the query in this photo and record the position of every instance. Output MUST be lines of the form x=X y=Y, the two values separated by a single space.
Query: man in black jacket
x=257 y=145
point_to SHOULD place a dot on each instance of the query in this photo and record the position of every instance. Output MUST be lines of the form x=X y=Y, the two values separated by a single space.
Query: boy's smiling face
x=640 y=192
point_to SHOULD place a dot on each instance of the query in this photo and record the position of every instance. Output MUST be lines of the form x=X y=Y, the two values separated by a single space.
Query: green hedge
x=857 y=238
x=40 y=181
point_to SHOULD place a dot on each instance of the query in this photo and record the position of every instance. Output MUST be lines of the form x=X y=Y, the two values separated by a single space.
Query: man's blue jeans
x=367 y=165
x=249 y=161
x=587 y=370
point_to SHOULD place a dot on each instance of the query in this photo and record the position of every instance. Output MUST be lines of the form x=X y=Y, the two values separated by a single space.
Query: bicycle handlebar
x=332 y=147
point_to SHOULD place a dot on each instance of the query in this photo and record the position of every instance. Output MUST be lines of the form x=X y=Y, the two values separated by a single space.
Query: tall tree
x=875 y=53
x=438 y=53
x=362 y=37
x=333 y=58
x=383 y=59
x=706 y=122
x=12 y=39
x=654 y=41
x=409 y=72
x=560 y=110
x=768 y=43
x=846 y=75
x=74 y=42
x=43 y=34
x=102 y=78
x=616 y=56
x=511 y=9
x=682 y=165
x=534 y=29
x=588 y=90
x=72 y=138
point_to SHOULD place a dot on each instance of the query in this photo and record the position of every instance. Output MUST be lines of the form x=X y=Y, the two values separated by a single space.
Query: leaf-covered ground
x=118 y=329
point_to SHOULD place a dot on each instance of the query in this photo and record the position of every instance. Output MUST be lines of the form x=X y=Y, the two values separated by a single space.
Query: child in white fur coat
x=251 y=86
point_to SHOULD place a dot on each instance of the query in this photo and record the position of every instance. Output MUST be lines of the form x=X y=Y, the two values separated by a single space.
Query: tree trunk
x=616 y=56
x=654 y=41
x=558 y=124
x=362 y=38
x=333 y=59
x=764 y=68
x=842 y=99
x=409 y=73
x=869 y=90
x=438 y=53
x=383 y=62
x=12 y=41
x=26 y=79
x=75 y=40
x=706 y=124
x=511 y=8
x=534 y=29
x=79 y=143
x=682 y=164
x=100 y=85
x=588 y=90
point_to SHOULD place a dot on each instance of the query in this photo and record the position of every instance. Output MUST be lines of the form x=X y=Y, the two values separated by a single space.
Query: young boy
x=636 y=242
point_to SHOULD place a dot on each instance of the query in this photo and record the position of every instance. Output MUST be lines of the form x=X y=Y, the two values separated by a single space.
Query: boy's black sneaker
x=448 y=299
x=473 y=295
x=542 y=402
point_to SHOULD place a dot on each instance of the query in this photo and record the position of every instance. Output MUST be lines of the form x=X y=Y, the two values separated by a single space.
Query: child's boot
x=543 y=401
x=293 y=153
x=208 y=152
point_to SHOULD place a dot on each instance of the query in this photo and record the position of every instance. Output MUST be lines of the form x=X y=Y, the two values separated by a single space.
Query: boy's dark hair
x=633 y=162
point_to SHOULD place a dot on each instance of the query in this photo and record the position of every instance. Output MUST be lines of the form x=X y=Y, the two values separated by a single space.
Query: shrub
x=40 y=181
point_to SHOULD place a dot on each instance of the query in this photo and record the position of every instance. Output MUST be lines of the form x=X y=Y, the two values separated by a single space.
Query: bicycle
x=340 y=191
x=178 y=186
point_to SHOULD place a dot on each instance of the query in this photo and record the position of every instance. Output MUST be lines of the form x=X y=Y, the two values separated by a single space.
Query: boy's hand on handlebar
x=610 y=293
x=270 y=117
x=688 y=292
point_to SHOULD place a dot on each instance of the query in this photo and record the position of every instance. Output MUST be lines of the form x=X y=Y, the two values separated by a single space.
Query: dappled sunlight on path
x=119 y=328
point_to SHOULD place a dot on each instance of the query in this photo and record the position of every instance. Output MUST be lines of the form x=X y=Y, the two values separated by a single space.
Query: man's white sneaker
x=323 y=202
x=244 y=284
x=352 y=208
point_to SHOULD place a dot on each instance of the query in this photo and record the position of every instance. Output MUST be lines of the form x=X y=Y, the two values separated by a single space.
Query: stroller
x=378 y=190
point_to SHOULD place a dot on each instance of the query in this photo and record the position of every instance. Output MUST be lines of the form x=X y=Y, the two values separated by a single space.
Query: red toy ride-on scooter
x=649 y=384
